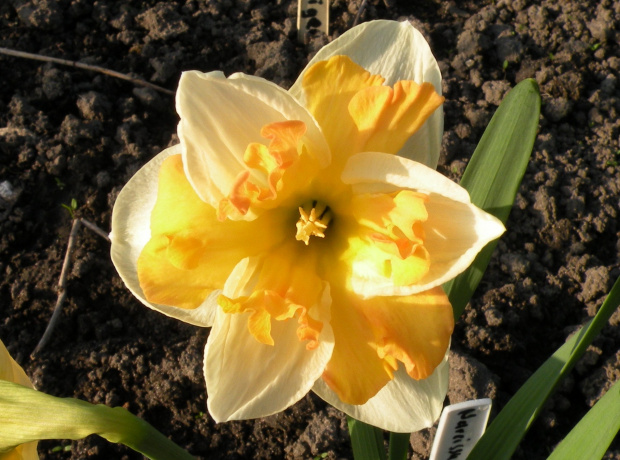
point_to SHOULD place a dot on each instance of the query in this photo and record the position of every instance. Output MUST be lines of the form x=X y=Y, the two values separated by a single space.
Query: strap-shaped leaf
x=594 y=433
x=399 y=446
x=28 y=415
x=511 y=424
x=366 y=440
x=494 y=174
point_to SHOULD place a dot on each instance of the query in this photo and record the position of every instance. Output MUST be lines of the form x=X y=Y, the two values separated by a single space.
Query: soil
x=69 y=134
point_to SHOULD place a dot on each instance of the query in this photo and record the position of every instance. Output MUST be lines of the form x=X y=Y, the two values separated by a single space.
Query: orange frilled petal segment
x=358 y=113
x=414 y=330
x=355 y=372
x=191 y=252
x=390 y=239
x=373 y=335
x=287 y=288
x=266 y=165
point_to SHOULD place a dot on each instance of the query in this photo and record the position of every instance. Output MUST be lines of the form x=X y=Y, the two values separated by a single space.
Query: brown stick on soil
x=62 y=282
x=79 y=65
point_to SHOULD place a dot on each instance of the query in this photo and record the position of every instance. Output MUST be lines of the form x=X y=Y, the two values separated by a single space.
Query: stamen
x=313 y=220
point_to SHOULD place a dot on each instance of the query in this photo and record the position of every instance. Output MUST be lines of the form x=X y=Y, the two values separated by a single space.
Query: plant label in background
x=312 y=17
x=460 y=427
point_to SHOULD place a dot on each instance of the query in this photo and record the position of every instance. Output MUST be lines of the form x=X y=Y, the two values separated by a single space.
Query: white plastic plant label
x=312 y=16
x=460 y=427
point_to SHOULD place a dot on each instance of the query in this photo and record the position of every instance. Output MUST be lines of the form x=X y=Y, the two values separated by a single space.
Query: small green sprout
x=59 y=183
x=504 y=65
x=320 y=456
x=595 y=47
x=71 y=207
x=199 y=415
x=57 y=449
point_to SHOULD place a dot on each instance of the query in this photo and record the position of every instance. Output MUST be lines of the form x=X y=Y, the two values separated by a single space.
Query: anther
x=313 y=221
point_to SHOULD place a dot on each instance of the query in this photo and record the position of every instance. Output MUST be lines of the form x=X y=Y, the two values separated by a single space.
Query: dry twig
x=62 y=282
x=80 y=65
x=359 y=13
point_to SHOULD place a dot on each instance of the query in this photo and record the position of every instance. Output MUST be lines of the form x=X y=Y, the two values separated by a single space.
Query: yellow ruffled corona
x=310 y=230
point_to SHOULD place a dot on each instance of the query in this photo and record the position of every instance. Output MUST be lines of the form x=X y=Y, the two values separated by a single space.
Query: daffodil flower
x=12 y=372
x=310 y=231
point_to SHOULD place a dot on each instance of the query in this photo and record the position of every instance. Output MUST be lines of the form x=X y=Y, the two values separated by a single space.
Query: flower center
x=314 y=217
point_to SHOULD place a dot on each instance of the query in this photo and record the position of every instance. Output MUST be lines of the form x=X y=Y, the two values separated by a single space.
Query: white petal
x=131 y=230
x=404 y=405
x=247 y=379
x=396 y=51
x=373 y=172
x=220 y=116
x=456 y=230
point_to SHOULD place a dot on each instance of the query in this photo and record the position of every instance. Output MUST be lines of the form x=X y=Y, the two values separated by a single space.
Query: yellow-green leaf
x=28 y=415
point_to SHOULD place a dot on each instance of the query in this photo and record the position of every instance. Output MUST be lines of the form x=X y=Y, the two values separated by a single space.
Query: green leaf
x=69 y=209
x=366 y=440
x=28 y=415
x=399 y=446
x=594 y=433
x=494 y=174
x=511 y=424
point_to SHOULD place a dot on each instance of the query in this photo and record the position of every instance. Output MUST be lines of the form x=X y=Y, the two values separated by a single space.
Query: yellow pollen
x=313 y=221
